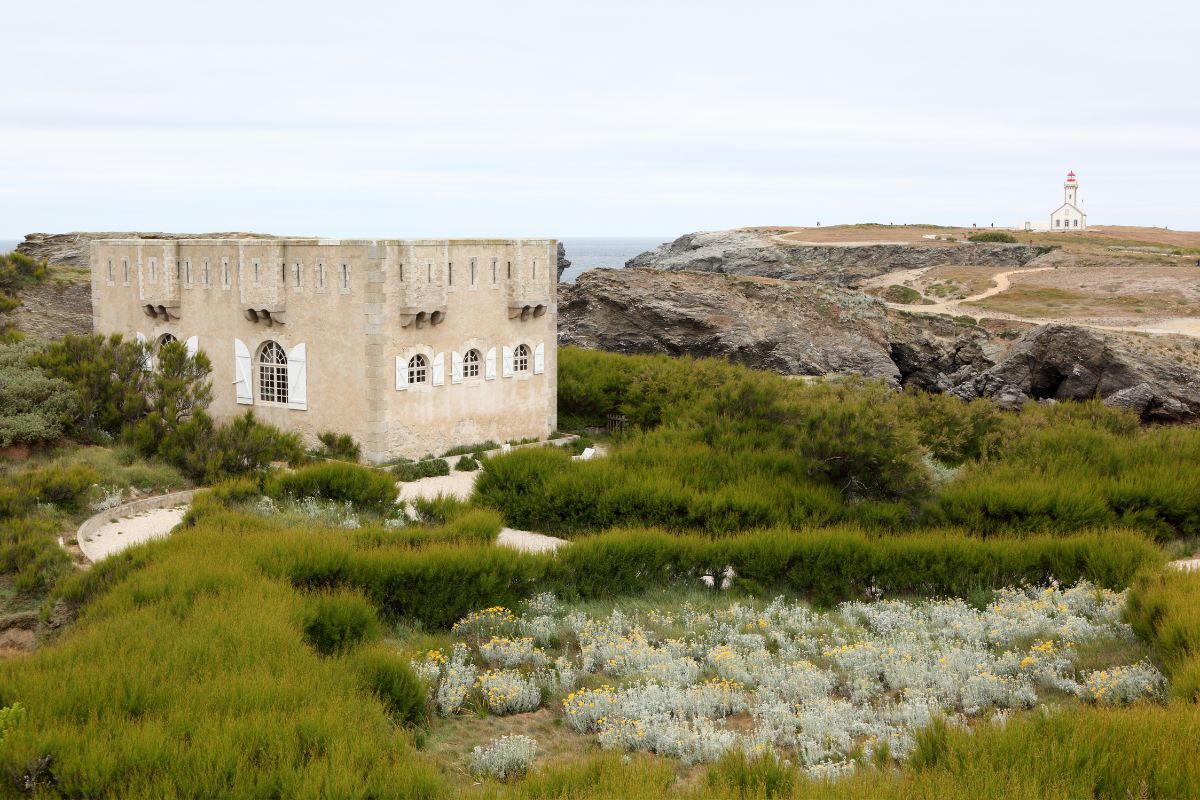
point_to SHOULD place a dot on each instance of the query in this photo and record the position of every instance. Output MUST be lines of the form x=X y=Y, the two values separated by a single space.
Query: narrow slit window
x=535 y=269
x=345 y=277
x=153 y=270
x=298 y=269
x=450 y=272
x=495 y=261
x=509 y=269
x=207 y=273
x=110 y=271
x=472 y=272
x=321 y=275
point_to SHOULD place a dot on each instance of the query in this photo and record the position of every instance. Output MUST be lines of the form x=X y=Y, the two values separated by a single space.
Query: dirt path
x=1182 y=326
x=129 y=531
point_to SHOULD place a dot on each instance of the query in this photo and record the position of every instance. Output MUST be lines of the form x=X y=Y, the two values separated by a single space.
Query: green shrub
x=209 y=452
x=365 y=487
x=34 y=407
x=1162 y=609
x=737 y=775
x=340 y=446
x=415 y=470
x=438 y=509
x=29 y=552
x=901 y=294
x=471 y=448
x=992 y=236
x=466 y=464
x=18 y=270
x=338 y=622
x=109 y=378
x=384 y=674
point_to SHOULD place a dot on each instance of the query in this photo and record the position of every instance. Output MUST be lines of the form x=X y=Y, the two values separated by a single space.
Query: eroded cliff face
x=784 y=326
x=760 y=254
x=803 y=328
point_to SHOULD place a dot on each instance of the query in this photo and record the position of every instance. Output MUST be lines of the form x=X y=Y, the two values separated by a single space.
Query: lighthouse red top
x=1071 y=176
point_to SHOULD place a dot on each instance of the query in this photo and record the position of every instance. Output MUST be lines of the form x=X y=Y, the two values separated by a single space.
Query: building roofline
x=319 y=242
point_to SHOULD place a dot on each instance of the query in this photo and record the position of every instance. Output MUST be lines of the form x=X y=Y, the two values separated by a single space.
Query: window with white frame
x=272 y=373
x=521 y=358
x=471 y=364
x=418 y=369
x=163 y=341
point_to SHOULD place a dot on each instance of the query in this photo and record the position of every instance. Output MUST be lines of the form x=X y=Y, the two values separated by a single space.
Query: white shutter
x=456 y=367
x=193 y=346
x=490 y=371
x=297 y=371
x=401 y=373
x=439 y=369
x=539 y=359
x=141 y=337
x=241 y=357
x=508 y=362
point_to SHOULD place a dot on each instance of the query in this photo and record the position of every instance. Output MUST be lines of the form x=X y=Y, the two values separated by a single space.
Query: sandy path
x=456 y=484
x=528 y=541
x=1183 y=326
x=116 y=536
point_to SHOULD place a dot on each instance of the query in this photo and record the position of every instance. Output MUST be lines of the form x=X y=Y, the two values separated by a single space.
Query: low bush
x=415 y=470
x=337 y=622
x=384 y=674
x=1162 y=608
x=741 y=776
x=992 y=236
x=29 y=551
x=441 y=584
x=464 y=449
x=65 y=487
x=339 y=446
x=364 y=487
x=34 y=407
x=466 y=464
x=438 y=509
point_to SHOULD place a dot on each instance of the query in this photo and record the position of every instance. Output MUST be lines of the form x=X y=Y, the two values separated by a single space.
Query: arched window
x=272 y=374
x=521 y=359
x=471 y=364
x=163 y=341
x=418 y=369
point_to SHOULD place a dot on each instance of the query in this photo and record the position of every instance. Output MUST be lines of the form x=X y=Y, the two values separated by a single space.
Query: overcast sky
x=604 y=118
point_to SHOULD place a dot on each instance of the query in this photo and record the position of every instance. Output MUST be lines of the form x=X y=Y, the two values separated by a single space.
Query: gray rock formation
x=1063 y=362
x=805 y=328
x=756 y=253
x=563 y=262
x=788 y=327
x=71 y=249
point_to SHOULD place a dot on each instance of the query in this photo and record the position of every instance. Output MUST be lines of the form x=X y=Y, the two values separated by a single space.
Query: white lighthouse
x=1069 y=216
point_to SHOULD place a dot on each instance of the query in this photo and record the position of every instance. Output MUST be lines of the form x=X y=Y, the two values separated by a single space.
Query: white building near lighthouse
x=1069 y=216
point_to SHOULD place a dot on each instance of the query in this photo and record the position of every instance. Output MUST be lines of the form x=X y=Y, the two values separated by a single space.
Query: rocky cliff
x=756 y=253
x=803 y=328
x=788 y=327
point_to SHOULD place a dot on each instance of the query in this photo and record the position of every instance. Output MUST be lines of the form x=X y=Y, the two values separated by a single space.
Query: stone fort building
x=410 y=346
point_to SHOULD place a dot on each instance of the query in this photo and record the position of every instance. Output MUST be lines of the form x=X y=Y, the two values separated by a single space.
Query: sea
x=6 y=246
x=610 y=251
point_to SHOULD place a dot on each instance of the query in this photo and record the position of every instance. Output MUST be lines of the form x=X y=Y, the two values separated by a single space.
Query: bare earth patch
x=122 y=533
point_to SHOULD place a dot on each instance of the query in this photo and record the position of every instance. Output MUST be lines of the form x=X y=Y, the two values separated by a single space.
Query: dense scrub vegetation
x=992 y=236
x=720 y=448
x=262 y=652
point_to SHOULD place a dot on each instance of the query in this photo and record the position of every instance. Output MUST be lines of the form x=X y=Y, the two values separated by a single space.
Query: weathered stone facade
x=410 y=346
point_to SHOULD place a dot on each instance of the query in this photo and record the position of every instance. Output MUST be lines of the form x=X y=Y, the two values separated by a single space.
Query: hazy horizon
x=637 y=120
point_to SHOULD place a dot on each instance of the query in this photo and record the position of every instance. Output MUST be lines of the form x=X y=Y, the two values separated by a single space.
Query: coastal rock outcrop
x=1064 y=362
x=563 y=261
x=757 y=253
x=802 y=328
x=788 y=327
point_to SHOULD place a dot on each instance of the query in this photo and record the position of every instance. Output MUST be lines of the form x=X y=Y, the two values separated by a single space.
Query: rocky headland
x=758 y=301
x=769 y=256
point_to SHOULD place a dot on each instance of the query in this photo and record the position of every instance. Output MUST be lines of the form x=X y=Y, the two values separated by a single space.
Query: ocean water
x=587 y=253
x=6 y=246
